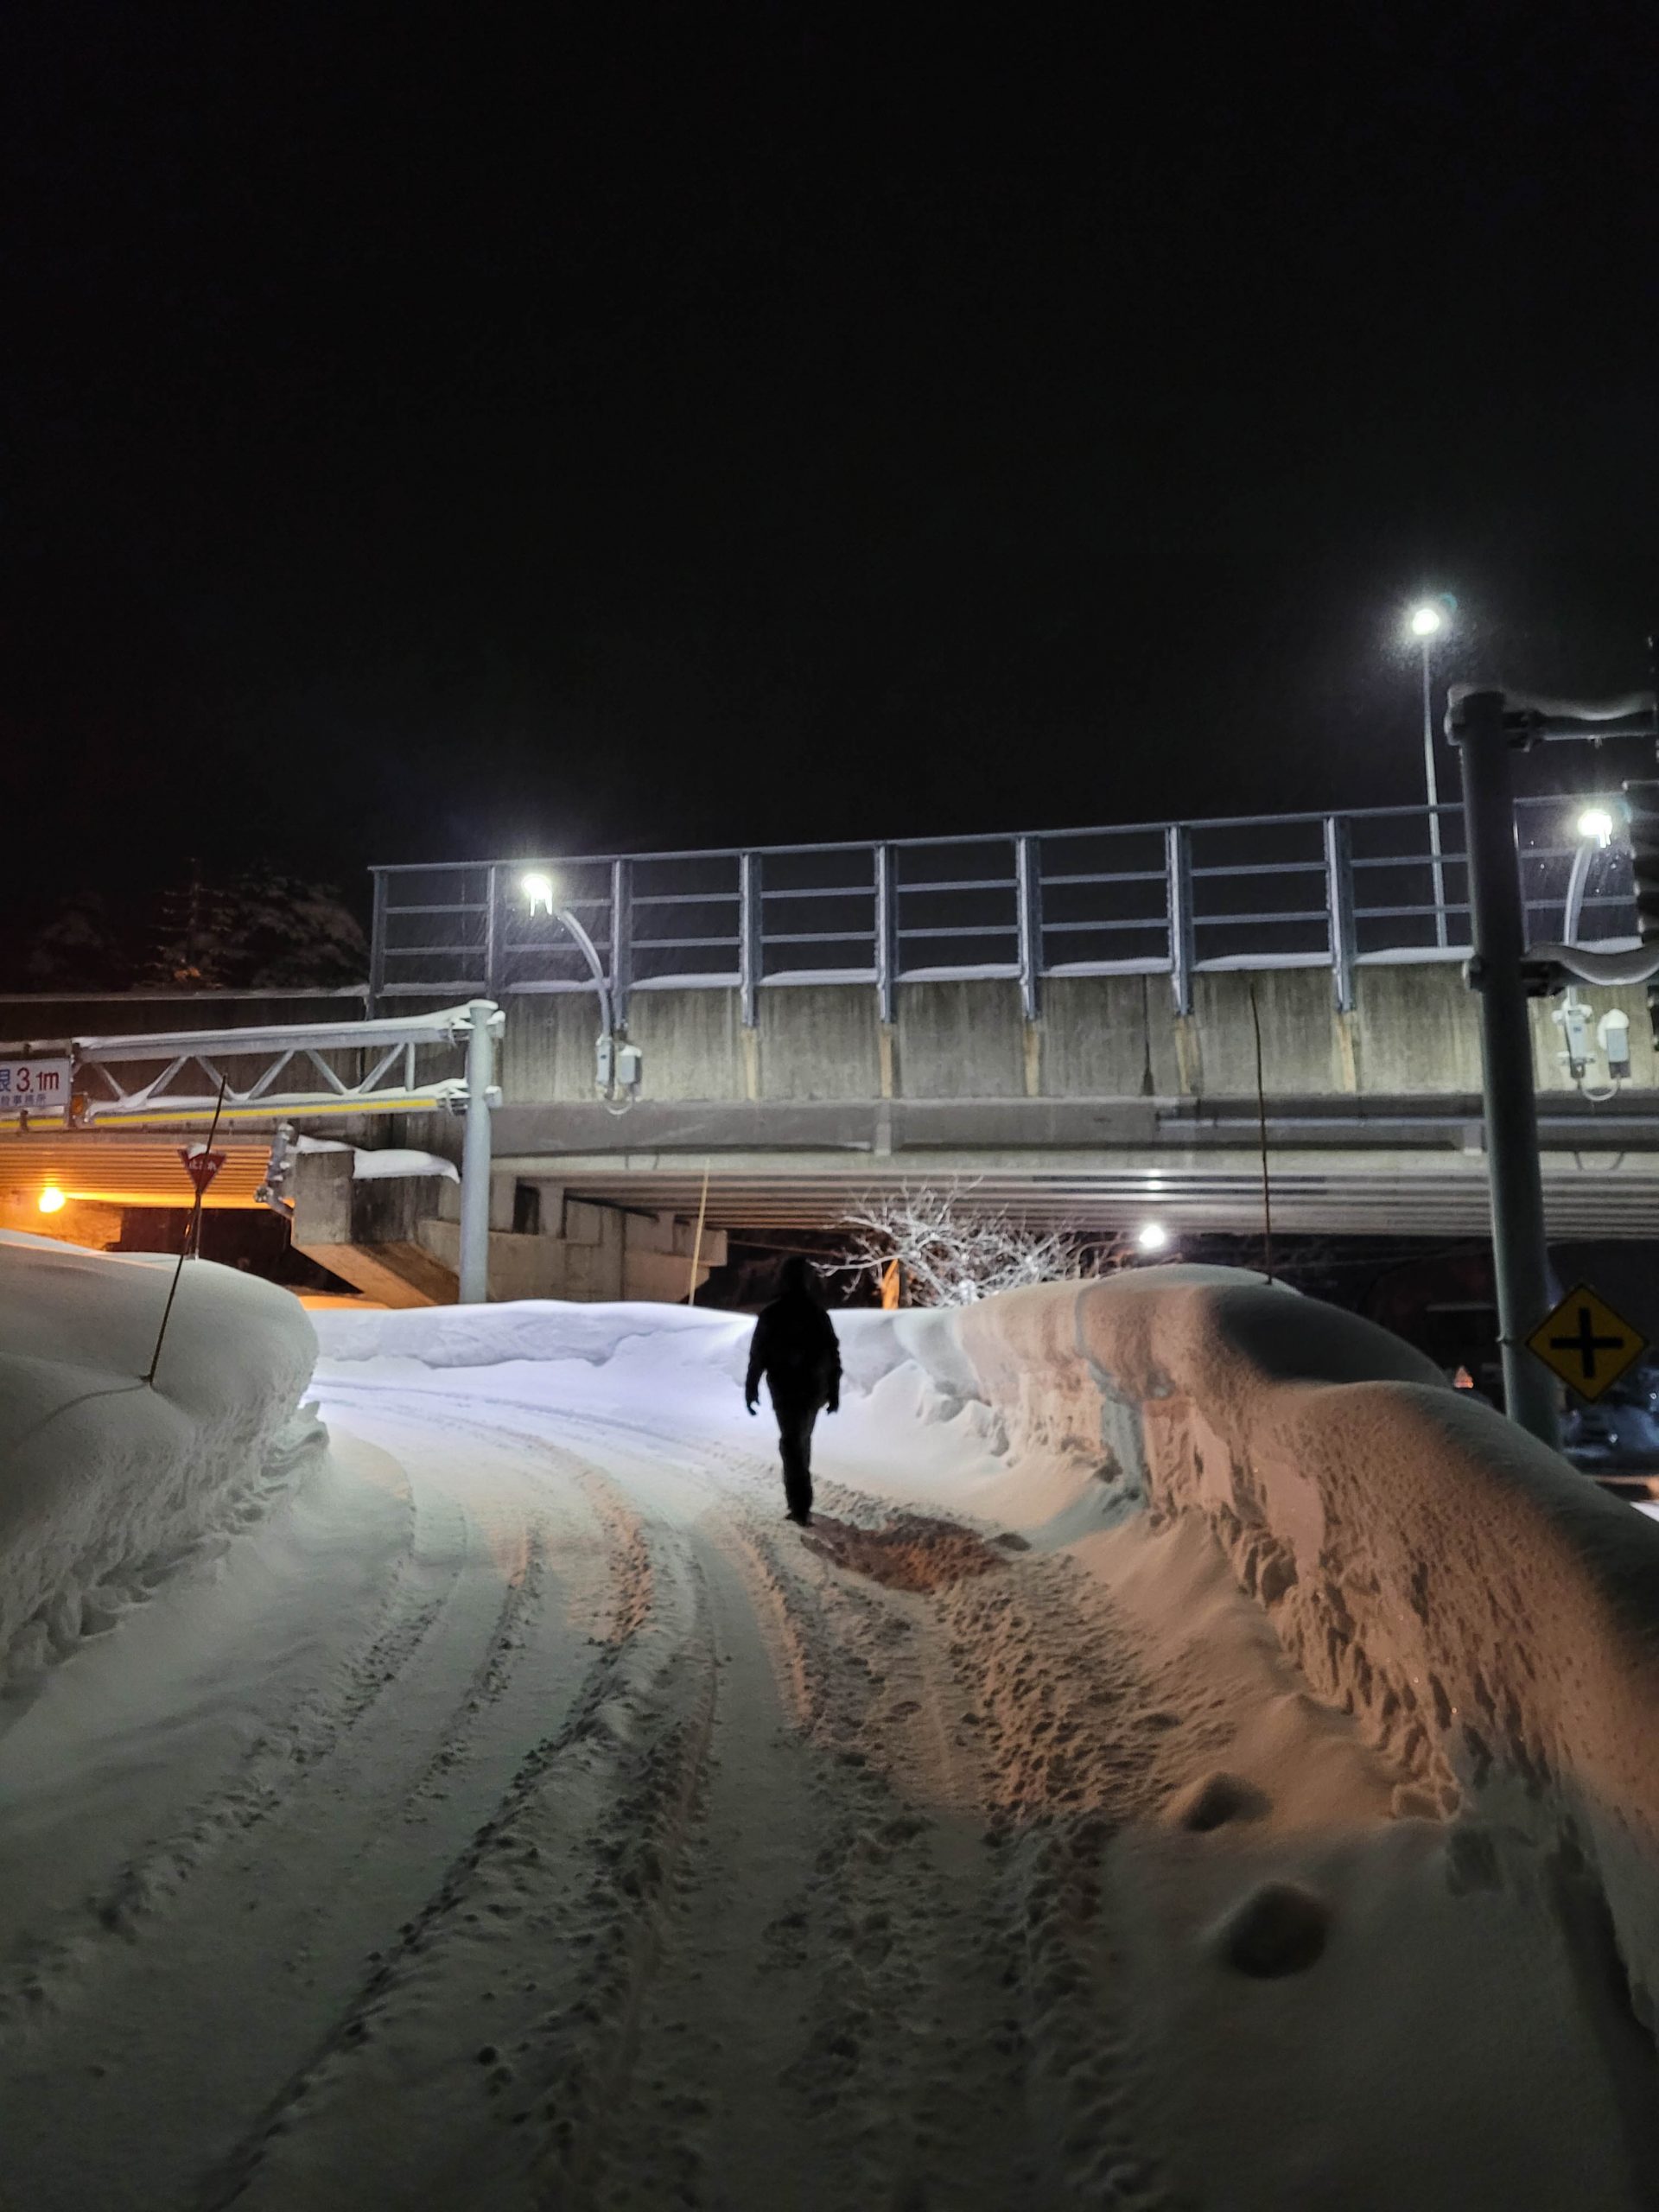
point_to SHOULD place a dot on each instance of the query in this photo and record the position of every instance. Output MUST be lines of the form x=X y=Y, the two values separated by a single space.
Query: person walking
x=794 y=1347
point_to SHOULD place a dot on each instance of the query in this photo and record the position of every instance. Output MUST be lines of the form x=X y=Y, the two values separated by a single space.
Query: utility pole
x=1479 y=726
x=1487 y=725
x=484 y=1023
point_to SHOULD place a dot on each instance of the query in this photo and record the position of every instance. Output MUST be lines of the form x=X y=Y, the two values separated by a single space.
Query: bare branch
x=952 y=1253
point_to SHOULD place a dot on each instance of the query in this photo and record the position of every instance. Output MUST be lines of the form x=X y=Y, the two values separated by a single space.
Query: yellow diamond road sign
x=1587 y=1343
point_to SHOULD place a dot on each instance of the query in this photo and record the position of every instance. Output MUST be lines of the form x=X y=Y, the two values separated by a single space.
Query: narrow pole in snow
x=192 y=1238
x=1520 y=1254
x=696 y=1244
x=475 y=1155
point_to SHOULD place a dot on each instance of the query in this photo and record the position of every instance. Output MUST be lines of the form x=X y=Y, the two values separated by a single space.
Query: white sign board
x=35 y=1086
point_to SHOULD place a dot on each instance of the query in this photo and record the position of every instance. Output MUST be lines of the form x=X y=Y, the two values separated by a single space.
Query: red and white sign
x=201 y=1165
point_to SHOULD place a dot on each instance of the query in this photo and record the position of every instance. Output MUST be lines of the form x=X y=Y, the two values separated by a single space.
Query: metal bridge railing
x=1174 y=898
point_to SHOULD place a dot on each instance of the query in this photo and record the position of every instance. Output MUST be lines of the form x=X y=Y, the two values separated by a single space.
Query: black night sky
x=432 y=431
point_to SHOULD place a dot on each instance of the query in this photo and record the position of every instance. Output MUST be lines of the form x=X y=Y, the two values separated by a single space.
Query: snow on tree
x=263 y=930
x=290 y=933
x=951 y=1252
x=80 y=948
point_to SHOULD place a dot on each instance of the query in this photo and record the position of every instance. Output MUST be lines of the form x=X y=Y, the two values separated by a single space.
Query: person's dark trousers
x=796 y=1420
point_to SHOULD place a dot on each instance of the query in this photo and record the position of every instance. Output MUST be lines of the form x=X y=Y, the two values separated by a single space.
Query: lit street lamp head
x=1427 y=620
x=1597 y=821
x=1153 y=1236
x=539 y=892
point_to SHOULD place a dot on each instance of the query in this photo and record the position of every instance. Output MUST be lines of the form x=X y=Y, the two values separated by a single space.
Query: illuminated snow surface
x=522 y=1813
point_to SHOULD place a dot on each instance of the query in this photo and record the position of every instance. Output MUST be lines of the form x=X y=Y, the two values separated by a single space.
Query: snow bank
x=105 y=1485
x=541 y=1330
x=1490 y=1616
x=548 y=1332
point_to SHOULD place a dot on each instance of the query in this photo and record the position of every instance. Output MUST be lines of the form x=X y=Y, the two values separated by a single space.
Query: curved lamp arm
x=595 y=967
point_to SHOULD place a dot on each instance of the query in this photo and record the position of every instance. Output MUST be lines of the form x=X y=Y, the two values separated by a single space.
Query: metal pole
x=492 y=930
x=1339 y=907
x=621 y=938
x=1577 y=883
x=475 y=1156
x=1178 y=889
x=1432 y=779
x=751 y=936
x=887 y=934
x=1028 y=920
x=1519 y=1255
x=377 y=944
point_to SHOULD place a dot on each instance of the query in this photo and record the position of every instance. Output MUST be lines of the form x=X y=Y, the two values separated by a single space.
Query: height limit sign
x=33 y=1086
x=1586 y=1344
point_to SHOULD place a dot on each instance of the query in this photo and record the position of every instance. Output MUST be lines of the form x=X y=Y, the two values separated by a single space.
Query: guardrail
x=1174 y=898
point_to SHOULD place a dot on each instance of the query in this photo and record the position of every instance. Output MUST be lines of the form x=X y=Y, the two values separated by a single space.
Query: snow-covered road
x=530 y=1816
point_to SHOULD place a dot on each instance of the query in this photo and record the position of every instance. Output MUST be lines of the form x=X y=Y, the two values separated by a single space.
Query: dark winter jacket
x=795 y=1347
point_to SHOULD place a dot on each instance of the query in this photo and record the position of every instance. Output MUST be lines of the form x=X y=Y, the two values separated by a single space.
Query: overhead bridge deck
x=1071 y=1024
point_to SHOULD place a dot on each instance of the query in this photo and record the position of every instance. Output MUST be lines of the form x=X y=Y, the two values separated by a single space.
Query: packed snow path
x=530 y=1816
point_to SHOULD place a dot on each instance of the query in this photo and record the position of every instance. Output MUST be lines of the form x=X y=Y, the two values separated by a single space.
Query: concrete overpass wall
x=1414 y=1032
x=1108 y=1098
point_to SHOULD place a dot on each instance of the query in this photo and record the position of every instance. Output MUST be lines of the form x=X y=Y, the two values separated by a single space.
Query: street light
x=1428 y=619
x=617 y=1062
x=51 y=1200
x=1153 y=1236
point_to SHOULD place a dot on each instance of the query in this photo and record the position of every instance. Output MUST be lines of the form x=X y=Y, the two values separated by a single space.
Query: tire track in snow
x=701 y=1926
x=43 y=1974
x=290 y=1912
x=1013 y=1704
x=851 y=1931
x=565 y=1875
